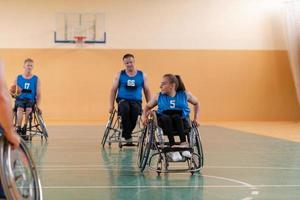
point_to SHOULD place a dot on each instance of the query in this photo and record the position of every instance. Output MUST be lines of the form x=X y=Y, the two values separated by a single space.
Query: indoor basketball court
x=238 y=60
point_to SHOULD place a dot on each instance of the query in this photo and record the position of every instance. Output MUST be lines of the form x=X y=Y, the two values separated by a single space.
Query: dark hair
x=179 y=85
x=28 y=60
x=128 y=55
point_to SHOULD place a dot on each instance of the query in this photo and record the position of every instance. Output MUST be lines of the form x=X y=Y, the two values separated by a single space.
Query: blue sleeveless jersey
x=130 y=88
x=178 y=102
x=28 y=86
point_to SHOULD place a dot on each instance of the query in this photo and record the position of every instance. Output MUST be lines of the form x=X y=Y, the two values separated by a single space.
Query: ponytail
x=180 y=86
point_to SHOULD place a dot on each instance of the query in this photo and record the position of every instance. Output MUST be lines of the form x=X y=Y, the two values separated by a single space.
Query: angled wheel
x=108 y=127
x=105 y=136
x=197 y=146
x=141 y=147
x=18 y=173
x=42 y=123
x=145 y=145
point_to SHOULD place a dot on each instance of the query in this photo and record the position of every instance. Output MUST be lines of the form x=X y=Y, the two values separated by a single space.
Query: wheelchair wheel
x=198 y=161
x=105 y=136
x=42 y=124
x=145 y=145
x=107 y=129
x=18 y=173
x=140 y=147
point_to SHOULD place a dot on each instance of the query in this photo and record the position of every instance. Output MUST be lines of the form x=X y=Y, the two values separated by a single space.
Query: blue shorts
x=24 y=103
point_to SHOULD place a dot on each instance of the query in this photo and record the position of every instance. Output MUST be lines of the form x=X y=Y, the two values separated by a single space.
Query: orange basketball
x=15 y=90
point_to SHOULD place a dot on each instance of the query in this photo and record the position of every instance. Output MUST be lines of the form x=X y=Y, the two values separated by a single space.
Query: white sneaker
x=175 y=156
x=162 y=146
x=186 y=154
x=128 y=140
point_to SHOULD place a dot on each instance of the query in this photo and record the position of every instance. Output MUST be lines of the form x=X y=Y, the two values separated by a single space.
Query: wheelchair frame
x=152 y=146
x=10 y=180
x=113 y=131
x=36 y=125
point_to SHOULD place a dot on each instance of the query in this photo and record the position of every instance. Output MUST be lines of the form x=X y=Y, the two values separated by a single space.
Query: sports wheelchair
x=36 y=125
x=113 y=131
x=18 y=173
x=153 y=149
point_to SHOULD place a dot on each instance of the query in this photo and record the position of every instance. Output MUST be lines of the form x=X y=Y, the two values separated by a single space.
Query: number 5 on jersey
x=172 y=104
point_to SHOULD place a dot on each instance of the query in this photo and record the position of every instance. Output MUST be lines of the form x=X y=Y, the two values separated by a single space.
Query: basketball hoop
x=79 y=40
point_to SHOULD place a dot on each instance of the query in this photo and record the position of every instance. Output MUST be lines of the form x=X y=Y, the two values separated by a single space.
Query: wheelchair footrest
x=129 y=145
x=178 y=161
x=174 y=149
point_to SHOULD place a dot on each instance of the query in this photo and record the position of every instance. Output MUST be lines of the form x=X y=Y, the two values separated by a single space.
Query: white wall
x=151 y=24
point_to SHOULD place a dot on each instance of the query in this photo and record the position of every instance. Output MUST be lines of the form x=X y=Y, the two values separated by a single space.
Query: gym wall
x=230 y=54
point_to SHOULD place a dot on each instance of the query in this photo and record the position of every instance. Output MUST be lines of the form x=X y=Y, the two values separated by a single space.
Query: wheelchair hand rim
x=8 y=182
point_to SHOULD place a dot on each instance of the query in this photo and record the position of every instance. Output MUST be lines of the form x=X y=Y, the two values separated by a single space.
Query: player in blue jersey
x=173 y=110
x=31 y=95
x=6 y=125
x=128 y=86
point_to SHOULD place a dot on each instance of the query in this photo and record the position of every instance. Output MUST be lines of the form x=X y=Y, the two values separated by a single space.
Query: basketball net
x=79 y=40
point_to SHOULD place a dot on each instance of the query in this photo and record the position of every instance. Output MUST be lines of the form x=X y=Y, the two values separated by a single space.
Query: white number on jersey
x=26 y=86
x=131 y=83
x=172 y=104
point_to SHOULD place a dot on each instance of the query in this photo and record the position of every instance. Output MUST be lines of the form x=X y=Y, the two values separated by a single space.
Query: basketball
x=15 y=90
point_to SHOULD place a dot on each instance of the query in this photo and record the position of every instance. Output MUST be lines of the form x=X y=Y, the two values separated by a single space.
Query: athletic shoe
x=175 y=156
x=186 y=154
x=129 y=142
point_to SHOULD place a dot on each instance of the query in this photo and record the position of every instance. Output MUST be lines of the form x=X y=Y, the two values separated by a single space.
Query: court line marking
x=206 y=167
x=254 y=167
x=252 y=187
x=89 y=169
x=94 y=167
x=247 y=198
x=241 y=185
x=231 y=180
x=143 y=186
x=161 y=186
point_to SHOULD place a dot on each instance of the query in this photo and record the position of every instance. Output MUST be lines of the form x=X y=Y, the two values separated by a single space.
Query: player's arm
x=38 y=93
x=113 y=92
x=146 y=88
x=6 y=112
x=151 y=104
x=194 y=101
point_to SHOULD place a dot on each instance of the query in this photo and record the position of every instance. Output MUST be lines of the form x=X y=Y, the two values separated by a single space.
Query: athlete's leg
x=124 y=112
x=135 y=111
x=165 y=122
x=20 y=112
x=27 y=113
x=179 y=127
